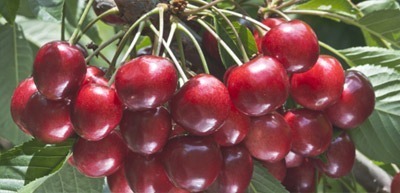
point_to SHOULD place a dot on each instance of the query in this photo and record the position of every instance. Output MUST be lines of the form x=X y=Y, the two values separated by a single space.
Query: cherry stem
x=170 y=35
x=337 y=53
x=157 y=49
x=113 y=10
x=347 y=185
x=181 y=50
x=247 y=18
x=287 y=4
x=280 y=13
x=74 y=37
x=395 y=168
x=103 y=45
x=63 y=22
x=206 y=6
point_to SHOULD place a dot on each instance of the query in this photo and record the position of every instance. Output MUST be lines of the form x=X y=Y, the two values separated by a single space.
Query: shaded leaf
x=47 y=10
x=375 y=5
x=342 y=7
x=222 y=30
x=40 y=32
x=263 y=182
x=8 y=9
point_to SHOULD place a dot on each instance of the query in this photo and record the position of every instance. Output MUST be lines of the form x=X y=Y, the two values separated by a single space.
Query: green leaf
x=342 y=7
x=248 y=40
x=15 y=64
x=373 y=55
x=8 y=9
x=378 y=137
x=40 y=32
x=263 y=182
x=47 y=10
x=375 y=5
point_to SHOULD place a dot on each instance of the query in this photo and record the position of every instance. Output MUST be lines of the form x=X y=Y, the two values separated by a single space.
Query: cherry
x=94 y=75
x=99 y=158
x=146 y=82
x=101 y=6
x=319 y=87
x=301 y=178
x=259 y=86
x=294 y=44
x=47 y=120
x=146 y=174
x=293 y=159
x=395 y=186
x=277 y=169
x=71 y=161
x=201 y=105
x=192 y=162
x=96 y=111
x=234 y=130
x=210 y=45
x=19 y=100
x=356 y=103
x=269 y=22
x=312 y=131
x=177 y=130
x=117 y=182
x=146 y=132
x=58 y=70
x=269 y=138
x=228 y=72
x=340 y=157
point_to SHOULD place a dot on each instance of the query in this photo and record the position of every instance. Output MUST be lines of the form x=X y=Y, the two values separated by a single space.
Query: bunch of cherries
x=147 y=135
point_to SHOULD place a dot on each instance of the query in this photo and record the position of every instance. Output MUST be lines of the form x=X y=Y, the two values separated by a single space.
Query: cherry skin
x=319 y=87
x=340 y=157
x=58 y=70
x=146 y=174
x=294 y=44
x=228 y=72
x=269 y=138
x=99 y=158
x=277 y=169
x=146 y=132
x=312 y=131
x=177 y=130
x=192 y=163
x=101 y=6
x=96 y=111
x=210 y=45
x=94 y=75
x=293 y=160
x=269 y=22
x=356 y=103
x=234 y=130
x=202 y=105
x=395 y=185
x=19 y=100
x=48 y=121
x=117 y=182
x=146 y=82
x=259 y=86
x=301 y=178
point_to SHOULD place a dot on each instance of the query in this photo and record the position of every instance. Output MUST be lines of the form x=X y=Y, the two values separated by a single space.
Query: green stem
x=395 y=168
x=181 y=50
x=351 y=189
x=170 y=36
x=104 y=14
x=161 y=30
x=246 y=18
x=63 y=22
x=103 y=45
x=337 y=53
x=280 y=13
x=287 y=4
x=206 y=6
x=74 y=37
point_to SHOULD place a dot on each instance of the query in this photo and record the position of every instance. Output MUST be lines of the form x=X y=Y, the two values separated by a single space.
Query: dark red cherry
x=71 y=161
x=146 y=132
x=117 y=182
x=356 y=103
x=269 y=138
x=58 y=70
x=177 y=130
x=210 y=45
x=312 y=131
x=259 y=86
x=395 y=185
x=228 y=72
x=340 y=157
x=96 y=111
x=234 y=130
x=201 y=105
x=48 y=121
x=99 y=158
x=19 y=100
x=270 y=22
x=277 y=169
x=192 y=162
x=301 y=178
x=146 y=82
x=293 y=160
x=94 y=75
x=319 y=87
x=101 y=6
x=146 y=174
x=294 y=44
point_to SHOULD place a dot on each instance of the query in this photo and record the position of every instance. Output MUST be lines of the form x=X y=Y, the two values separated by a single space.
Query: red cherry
x=117 y=182
x=48 y=121
x=96 y=111
x=270 y=22
x=228 y=72
x=395 y=186
x=191 y=162
x=71 y=161
x=277 y=169
x=19 y=100
x=58 y=70
x=319 y=87
x=146 y=174
x=101 y=6
x=356 y=103
x=258 y=87
x=99 y=158
x=201 y=105
x=146 y=132
x=300 y=179
x=210 y=45
x=294 y=44
x=146 y=82
x=269 y=138
x=293 y=159
x=177 y=130
x=312 y=131
x=94 y=75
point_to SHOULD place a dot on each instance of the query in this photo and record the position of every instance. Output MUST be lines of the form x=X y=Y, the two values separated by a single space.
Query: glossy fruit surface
x=96 y=111
x=293 y=160
x=146 y=132
x=117 y=182
x=48 y=121
x=300 y=179
x=146 y=174
x=259 y=86
x=146 y=82
x=269 y=138
x=395 y=186
x=210 y=45
x=311 y=130
x=294 y=44
x=340 y=157
x=58 y=70
x=101 y=6
x=319 y=87
x=94 y=75
x=191 y=162
x=19 y=99
x=270 y=22
x=277 y=169
x=202 y=105
x=99 y=158
x=356 y=103
x=234 y=130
